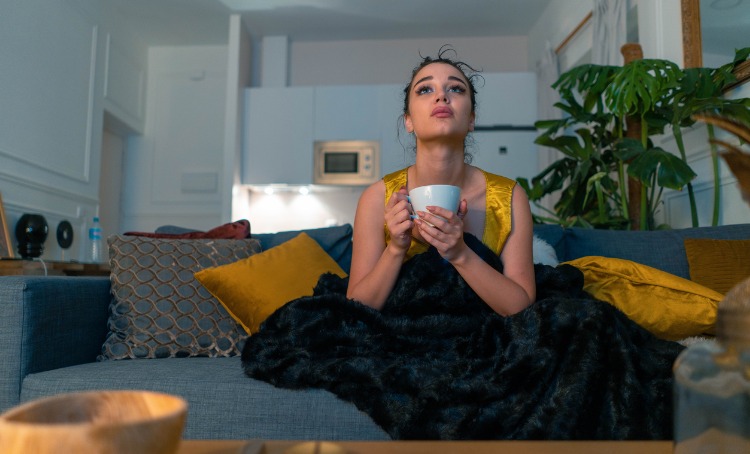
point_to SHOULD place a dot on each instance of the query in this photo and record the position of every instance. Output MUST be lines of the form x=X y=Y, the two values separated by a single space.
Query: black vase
x=31 y=233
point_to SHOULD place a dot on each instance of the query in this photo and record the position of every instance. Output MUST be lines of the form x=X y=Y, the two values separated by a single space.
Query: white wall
x=659 y=27
x=239 y=56
x=391 y=61
x=53 y=86
x=733 y=210
x=176 y=170
x=110 y=184
x=556 y=22
x=283 y=211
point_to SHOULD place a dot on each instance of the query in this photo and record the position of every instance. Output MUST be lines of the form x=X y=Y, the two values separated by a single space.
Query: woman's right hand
x=398 y=219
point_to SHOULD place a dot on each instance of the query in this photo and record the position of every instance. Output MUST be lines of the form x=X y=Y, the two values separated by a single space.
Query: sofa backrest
x=553 y=234
x=661 y=249
x=336 y=241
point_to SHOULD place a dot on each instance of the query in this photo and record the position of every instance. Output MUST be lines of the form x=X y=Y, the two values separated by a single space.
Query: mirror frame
x=692 y=44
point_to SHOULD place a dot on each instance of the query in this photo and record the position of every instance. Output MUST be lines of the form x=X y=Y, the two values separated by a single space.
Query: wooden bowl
x=95 y=422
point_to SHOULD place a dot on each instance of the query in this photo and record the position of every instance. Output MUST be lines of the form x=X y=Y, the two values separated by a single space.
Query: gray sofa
x=52 y=329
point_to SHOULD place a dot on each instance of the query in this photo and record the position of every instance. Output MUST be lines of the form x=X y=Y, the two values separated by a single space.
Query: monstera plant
x=611 y=173
x=736 y=158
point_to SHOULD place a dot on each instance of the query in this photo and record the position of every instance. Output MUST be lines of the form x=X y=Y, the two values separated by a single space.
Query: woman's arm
x=514 y=289
x=508 y=292
x=375 y=266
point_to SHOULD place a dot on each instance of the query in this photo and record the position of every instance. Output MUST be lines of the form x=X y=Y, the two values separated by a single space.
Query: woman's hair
x=470 y=74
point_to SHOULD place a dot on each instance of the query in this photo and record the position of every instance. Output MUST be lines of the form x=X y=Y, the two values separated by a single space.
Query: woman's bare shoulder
x=373 y=193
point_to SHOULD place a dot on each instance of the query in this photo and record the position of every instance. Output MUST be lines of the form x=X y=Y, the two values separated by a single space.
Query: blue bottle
x=96 y=245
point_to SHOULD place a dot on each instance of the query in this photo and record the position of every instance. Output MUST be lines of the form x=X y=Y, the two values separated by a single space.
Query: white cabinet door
x=346 y=113
x=395 y=143
x=511 y=154
x=507 y=99
x=278 y=138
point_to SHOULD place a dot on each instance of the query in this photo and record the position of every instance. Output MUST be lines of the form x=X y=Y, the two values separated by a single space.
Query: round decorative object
x=64 y=234
x=119 y=422
x=31 y=233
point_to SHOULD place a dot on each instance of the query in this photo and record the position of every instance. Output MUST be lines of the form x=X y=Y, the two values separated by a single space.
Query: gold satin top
x=497 y=217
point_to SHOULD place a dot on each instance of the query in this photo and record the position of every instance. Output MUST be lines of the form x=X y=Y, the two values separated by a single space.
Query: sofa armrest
x=48 y=323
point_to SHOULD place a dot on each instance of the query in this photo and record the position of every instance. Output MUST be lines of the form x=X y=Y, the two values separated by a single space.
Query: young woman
x=439 y=110
x=448 y=331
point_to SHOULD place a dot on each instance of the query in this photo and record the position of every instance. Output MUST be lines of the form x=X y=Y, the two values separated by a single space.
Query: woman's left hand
x=444 y=229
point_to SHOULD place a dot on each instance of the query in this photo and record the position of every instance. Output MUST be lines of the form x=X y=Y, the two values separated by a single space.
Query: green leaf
x=671 y=171
x=547 y=124
x=740 y=55
x=594 y=184
x=641 y=85
x=566 y=144
x=698 y=83
x=628 y=148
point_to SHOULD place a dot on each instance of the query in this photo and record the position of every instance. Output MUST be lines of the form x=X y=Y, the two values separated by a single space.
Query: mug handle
x=412 y=215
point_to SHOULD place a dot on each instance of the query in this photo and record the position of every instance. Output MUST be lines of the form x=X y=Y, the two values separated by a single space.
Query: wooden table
x=424 y=447
x=21 y=267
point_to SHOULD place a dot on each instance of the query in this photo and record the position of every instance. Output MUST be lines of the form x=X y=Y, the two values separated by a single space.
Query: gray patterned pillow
x=158 y=309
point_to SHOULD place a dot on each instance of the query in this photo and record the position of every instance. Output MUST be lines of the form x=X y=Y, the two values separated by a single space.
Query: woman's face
x=439 y=104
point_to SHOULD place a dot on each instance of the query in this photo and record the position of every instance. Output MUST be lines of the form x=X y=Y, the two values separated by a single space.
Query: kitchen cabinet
x=282 y=124
x=507 y=99
x=346 y=113
x=395 y=153
x=511 y=154
x=278 y=136
x=504 y=142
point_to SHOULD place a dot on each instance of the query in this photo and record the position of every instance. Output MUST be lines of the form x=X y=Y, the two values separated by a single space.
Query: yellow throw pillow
x=252 y=289
x=718 y=264
x=668 y=306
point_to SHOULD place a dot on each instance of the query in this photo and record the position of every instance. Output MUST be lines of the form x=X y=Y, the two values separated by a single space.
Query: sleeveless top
x=497 y=217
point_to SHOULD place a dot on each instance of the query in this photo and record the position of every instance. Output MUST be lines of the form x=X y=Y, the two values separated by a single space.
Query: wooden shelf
x=20 y=267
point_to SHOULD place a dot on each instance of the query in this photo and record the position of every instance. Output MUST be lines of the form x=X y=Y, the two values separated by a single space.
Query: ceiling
x=725 y=23
x=194 y=22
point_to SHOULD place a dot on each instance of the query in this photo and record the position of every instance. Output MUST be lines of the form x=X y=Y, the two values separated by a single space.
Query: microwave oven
x=346 y=162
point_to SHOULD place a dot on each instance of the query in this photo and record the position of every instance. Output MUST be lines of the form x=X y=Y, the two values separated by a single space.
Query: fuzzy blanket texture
x=438 y=363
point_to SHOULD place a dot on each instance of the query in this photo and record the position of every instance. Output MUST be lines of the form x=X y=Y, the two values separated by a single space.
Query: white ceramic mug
x=442 y=195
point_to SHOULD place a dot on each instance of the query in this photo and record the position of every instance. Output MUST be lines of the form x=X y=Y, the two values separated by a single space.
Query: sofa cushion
x=158 y=309
x=718 y=264
x=554 y=235
x=223 y=403
x=543 y=252
x=253 y=288
x=336 y=241
x=661 y=249
x=668 y=306
x=231 y=231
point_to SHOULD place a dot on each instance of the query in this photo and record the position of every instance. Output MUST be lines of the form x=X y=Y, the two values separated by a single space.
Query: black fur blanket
x=437 y=363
